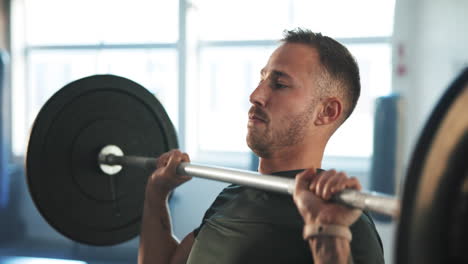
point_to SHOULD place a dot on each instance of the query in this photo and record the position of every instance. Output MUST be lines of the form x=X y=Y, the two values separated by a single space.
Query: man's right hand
x=165 y=179
x=157 y=243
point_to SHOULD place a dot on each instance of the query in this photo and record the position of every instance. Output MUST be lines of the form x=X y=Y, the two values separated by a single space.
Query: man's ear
x=331 y=111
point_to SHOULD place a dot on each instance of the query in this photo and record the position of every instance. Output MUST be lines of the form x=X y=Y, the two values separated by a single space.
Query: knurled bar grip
x=371 y=201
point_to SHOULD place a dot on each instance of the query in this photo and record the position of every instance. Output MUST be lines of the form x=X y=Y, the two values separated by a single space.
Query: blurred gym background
x=202 y=59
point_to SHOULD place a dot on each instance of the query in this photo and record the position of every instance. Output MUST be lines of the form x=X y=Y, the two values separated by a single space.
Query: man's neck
x=292 y=160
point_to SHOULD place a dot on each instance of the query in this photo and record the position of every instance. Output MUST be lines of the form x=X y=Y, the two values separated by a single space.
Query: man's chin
x=257 y=145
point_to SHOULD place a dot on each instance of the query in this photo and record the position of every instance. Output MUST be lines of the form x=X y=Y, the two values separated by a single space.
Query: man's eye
x=278 y=85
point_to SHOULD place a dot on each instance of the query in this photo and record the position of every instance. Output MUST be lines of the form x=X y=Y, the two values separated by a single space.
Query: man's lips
x=257 y=115
x=256 y=118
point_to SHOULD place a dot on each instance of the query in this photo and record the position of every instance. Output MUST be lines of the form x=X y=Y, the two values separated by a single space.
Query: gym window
x=200 y=58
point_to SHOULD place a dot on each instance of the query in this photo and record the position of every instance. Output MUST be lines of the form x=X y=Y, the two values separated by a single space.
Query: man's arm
x=157 y=243
x=326 y=224
x=330 y=250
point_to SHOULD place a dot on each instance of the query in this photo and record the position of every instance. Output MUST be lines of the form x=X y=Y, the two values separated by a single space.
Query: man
x=308 y=88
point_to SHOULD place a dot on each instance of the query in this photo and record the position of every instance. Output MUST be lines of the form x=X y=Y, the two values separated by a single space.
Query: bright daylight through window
x=214 y=58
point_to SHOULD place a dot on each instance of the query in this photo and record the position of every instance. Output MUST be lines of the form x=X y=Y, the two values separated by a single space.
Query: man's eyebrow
x=276 y=73
x=280 y=74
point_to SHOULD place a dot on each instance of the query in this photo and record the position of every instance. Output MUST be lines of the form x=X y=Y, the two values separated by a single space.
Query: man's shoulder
x=365 y=223
x=366 y=244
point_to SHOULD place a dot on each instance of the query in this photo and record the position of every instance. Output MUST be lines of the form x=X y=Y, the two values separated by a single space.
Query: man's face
x=284 y=102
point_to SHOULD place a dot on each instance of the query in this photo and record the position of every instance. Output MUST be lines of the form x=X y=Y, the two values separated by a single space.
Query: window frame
x=181 y=46
x=21 y=52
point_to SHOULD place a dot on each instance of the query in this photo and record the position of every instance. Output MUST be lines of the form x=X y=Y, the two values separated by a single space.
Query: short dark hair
x=339 y=68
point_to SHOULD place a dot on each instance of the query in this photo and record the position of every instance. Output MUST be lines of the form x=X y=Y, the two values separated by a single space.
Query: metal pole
x=371 y=201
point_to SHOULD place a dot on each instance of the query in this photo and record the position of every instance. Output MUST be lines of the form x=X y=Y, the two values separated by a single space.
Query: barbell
x=111 y=160
x=93 y=146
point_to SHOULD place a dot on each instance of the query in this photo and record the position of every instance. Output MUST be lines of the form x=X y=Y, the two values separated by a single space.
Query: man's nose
x=260 y=94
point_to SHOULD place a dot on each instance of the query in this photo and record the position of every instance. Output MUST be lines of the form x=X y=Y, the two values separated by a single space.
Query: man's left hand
x=313 y=192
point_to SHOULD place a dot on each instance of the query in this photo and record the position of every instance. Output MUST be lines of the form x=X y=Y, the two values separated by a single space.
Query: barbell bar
x=111 y=160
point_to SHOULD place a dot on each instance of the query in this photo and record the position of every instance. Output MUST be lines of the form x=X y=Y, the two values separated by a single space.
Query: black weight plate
x=436 y=189
x=64 y=178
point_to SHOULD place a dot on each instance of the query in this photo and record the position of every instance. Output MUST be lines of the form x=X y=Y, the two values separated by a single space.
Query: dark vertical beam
x=5 y=25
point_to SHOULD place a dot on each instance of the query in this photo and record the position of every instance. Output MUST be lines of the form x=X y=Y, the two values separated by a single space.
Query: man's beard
x=264 y=141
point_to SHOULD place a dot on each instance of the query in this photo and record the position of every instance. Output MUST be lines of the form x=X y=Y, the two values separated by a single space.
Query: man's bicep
x=183 y=250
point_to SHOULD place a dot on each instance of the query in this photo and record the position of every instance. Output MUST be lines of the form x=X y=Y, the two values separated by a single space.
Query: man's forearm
x=157 y=244
x=330 y=250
